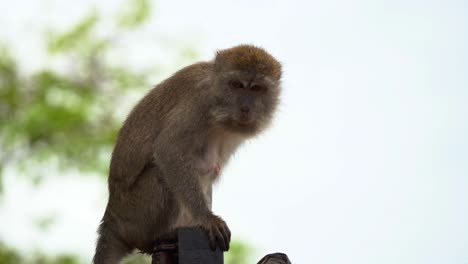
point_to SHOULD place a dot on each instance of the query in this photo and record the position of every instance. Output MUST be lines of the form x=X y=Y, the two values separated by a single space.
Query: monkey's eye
x=257 y=88
x=236 y=84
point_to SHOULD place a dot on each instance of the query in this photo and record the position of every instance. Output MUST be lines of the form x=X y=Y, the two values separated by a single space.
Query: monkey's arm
x=177 y=156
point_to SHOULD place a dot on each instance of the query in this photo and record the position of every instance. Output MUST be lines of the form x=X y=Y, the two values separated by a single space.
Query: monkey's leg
x=109 y=248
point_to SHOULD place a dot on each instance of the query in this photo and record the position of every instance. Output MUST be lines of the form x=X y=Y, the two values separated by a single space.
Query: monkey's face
x=247 y=101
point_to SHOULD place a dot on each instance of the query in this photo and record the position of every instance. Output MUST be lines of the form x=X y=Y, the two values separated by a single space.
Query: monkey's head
x=247 y=81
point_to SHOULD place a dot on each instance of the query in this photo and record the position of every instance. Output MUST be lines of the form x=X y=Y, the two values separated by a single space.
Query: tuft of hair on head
x=248 y=58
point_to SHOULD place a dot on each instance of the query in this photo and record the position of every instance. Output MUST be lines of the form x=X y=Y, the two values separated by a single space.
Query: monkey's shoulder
x=195 y=72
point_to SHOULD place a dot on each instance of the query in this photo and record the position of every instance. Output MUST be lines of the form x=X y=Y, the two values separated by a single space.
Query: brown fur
x=164 y=163
x=248 y=58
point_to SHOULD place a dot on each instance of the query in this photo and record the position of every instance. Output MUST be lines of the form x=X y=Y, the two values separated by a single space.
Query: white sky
x=367 y=161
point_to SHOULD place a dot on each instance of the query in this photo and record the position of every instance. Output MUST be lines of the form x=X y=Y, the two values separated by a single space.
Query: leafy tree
x=10 y=256
x=69 y=115
x=239 y=253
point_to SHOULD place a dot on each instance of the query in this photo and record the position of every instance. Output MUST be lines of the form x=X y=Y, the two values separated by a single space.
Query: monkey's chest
x=215 y=154
x=219 y=149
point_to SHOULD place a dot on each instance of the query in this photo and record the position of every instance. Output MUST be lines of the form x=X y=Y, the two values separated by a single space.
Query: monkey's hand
x=218 y=232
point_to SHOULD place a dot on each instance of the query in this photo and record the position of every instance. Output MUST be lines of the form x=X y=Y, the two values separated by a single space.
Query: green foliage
x=68 y=114
x=137 y=259
x=10 y=256
x=76 y=37
x=239 y=253
x=137 y=13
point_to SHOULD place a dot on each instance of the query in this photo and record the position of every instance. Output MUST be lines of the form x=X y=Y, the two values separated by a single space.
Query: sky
x=367 y=160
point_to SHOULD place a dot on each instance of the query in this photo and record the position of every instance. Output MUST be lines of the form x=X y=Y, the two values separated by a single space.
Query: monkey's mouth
x=244 y=119
x=244 y=126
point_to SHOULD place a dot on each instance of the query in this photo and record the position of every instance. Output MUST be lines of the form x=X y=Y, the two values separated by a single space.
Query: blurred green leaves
x=239 y=253
x=135 y=14
x=137 y=259
x=10 y=256
x=9 y=83
x=69 y=114
x=75 y=38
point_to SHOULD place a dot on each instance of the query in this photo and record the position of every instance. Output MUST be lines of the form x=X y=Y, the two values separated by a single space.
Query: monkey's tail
x=110 y=249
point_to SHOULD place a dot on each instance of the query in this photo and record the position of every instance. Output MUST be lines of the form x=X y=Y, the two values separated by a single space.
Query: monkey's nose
x=245 y=109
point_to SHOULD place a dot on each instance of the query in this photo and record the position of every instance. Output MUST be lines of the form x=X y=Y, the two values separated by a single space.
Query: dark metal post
x=191 y=247
x=194 y=248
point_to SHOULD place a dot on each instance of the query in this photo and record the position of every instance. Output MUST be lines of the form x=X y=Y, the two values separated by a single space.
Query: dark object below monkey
x=192 y=247
x=275 y=258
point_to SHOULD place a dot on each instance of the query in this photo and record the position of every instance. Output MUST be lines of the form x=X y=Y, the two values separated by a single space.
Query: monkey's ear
x=221 y=62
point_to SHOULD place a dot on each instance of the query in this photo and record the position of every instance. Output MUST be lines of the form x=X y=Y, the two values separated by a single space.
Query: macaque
x=174 y=144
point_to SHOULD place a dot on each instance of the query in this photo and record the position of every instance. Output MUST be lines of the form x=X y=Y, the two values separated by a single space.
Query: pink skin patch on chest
x=217 y=169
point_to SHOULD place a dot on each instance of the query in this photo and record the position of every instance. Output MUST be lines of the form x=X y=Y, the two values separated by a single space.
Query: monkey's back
x=136 y=190
x=135 y=141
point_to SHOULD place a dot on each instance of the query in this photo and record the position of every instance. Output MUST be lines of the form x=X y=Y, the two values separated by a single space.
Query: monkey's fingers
x=227 y=231
x=226 y=234
x=211 y=239
x=221 y=239
x=218 y=233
